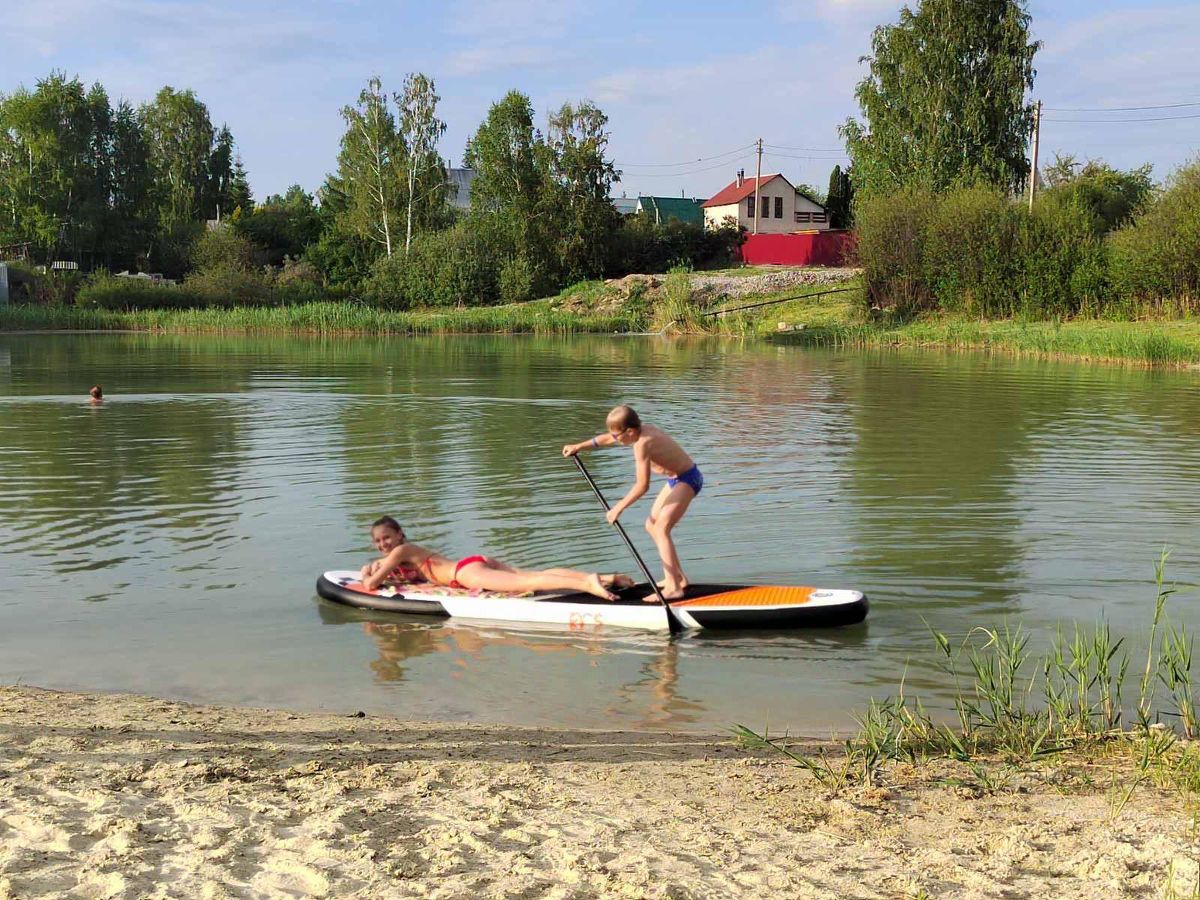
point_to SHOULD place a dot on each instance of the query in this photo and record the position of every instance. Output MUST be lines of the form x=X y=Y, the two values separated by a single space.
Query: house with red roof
x=781 y=207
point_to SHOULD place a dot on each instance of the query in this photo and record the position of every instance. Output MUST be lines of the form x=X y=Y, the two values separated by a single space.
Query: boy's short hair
x=623 y=417
x=96 y=391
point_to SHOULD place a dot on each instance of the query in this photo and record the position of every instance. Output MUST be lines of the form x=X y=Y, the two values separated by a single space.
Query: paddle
x=672 y=620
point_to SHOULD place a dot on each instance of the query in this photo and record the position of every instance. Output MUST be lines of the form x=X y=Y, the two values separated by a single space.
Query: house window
x=819 y=217
x=764 y=208
x=779 y=207
x=750 y=206
x=803 y=217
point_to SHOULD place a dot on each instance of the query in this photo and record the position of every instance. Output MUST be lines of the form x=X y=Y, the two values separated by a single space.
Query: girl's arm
x=600 y=440
x=377 y=572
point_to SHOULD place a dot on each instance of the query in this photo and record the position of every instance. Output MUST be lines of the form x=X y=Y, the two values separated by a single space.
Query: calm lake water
x=168 y=541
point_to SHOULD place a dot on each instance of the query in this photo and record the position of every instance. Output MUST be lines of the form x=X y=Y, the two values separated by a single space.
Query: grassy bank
x=815 y=315
x=1087 y=711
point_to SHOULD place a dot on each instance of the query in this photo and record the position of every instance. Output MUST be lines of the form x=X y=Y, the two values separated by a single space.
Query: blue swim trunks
x=692 y=478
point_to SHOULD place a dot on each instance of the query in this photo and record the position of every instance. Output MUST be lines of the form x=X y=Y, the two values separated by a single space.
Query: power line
x=1121 y=121
x=689 y=162
x=1116 y=108
x=817 y=158
x=721 y=165
x=807 y=149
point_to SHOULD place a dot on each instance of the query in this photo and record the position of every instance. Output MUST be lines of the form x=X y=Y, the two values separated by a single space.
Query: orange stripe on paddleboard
x=754 y=596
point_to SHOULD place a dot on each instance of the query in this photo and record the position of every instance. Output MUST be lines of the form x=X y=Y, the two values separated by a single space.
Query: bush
x=105 y=291
x=972 y=249
x=223 y=249
x=646 y=248
x=1063 y=267
x=891 y=248
x=516 y=280
x=455 y=267
x=1157 y=257
x=969 y=251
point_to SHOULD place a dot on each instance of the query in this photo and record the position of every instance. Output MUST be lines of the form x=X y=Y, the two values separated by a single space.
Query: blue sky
x=681 y=81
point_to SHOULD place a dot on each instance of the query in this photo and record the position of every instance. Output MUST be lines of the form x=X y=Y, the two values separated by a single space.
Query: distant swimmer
x=655 y=450
x=97 y=394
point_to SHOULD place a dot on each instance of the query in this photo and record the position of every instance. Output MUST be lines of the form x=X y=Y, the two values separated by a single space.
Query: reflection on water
x=167 y=541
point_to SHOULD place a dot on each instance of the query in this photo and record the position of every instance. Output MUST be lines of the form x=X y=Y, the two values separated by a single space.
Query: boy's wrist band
x=595 y=443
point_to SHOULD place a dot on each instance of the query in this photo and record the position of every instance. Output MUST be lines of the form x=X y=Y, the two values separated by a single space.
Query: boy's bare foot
x=596 y=588
x=683 y=585
x=617 y=580
x=676 y=594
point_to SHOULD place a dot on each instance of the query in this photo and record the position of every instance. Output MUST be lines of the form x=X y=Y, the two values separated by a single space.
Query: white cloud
x=842 y=12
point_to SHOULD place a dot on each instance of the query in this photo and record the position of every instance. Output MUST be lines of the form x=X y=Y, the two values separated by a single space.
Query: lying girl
x=409 y=562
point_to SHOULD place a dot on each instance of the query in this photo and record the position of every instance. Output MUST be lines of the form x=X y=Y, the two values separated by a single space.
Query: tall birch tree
x=424 y=169
x=370 y=164
x=946 y=99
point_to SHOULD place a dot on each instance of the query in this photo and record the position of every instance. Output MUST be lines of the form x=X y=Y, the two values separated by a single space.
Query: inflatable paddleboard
x=712 y=606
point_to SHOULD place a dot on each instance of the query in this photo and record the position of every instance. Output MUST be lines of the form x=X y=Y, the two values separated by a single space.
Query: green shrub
x=105 y=291
x=223 y=249
x=641 y=246
x=1157 y=257
x=455 y=267
x=1063 y=264
x=516 y=280
x=891 y=248
x=969 y=251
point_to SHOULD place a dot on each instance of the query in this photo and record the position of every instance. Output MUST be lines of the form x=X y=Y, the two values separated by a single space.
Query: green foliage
x=1112 y=195
x=223 y=250
x=516 y=280
x=109 y=292
x=839 y=199
x=455 y=267
x=641 y=246
x=945 y=98
x=891 y=248
x=282 y=226
x=974 y=250
x=1157 y=256
x=425 y=184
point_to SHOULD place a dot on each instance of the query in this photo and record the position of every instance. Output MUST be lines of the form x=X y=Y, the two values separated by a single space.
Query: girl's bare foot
x=617 y=580
x=596 y=588
x=672 y=594
x=683 y=585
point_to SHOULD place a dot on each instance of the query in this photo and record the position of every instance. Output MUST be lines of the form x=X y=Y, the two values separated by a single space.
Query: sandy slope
x=118 y=796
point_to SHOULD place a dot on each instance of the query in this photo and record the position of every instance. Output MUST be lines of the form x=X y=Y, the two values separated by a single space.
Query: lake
x=167 y=542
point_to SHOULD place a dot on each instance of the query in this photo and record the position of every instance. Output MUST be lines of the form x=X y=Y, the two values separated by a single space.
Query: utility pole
x=1037 y=128
x=757 y=179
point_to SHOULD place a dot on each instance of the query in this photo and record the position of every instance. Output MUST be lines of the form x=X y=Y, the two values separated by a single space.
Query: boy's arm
x=641 y=463
x=600 y=440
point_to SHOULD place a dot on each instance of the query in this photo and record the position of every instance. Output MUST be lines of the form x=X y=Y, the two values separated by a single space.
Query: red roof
x=731 y=193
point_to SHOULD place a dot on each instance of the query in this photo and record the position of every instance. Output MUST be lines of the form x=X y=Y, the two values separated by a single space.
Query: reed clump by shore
x=1085 y=714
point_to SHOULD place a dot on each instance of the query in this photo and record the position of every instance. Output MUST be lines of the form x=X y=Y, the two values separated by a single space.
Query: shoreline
x=121 y=796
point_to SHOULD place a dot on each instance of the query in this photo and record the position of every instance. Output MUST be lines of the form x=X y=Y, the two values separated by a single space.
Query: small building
x=459 y=192
x=662 y=210
x=626 y=206
x=782 y=209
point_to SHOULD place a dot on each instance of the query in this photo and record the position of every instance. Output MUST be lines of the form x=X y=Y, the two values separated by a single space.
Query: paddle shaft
x=672 y=620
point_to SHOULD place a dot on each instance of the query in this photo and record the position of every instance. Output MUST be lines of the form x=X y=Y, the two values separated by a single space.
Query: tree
x=424 y=170
x=839 y=199
x=180 y=136
x=218 y=197
x=369 y=173
x=240 y=197
x=582 y=177
x=945 y=98
x=132 y=212
x=283 y=226
x=1111 y=195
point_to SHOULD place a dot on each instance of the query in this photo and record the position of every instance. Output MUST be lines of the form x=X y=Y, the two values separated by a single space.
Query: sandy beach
x=121 y=796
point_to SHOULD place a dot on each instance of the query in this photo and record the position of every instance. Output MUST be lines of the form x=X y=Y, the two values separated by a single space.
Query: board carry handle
x=673 y=622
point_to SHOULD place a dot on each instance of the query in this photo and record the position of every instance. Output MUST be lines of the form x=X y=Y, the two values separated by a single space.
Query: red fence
x=812 y=248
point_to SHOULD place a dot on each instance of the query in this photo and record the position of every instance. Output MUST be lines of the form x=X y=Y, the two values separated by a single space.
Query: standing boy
x=654 y=450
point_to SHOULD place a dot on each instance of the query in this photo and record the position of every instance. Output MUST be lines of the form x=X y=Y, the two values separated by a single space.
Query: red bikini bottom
x=458 y=566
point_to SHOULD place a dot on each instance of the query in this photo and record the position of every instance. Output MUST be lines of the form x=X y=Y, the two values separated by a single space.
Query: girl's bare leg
x=483 y=577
